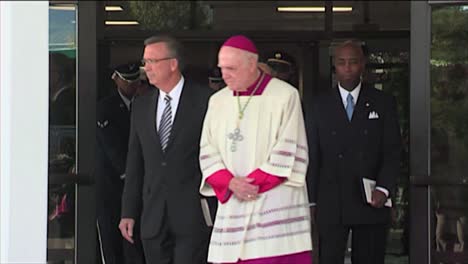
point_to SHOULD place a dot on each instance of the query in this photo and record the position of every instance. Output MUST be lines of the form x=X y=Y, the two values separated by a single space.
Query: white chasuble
x=273 y=139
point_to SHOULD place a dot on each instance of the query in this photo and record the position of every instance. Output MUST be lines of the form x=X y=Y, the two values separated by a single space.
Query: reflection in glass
x=164 y=15
x=62 y=132
x=388 y=71
x=217 y=15
x=449 y=131
x=372 y=16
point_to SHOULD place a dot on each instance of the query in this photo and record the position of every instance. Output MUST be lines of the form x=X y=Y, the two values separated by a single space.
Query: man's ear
x=174 y=64
x=253 y=64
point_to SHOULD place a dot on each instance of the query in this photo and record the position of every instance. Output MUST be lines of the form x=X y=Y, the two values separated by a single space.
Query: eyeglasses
x=154 y=61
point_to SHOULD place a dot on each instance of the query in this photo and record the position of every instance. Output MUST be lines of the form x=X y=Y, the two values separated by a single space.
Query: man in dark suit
x=353 y=133
x=163 y=173
x=113 y=126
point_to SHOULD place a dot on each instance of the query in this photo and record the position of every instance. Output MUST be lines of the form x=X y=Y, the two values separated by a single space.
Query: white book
x=206 y=212
x=369 y=187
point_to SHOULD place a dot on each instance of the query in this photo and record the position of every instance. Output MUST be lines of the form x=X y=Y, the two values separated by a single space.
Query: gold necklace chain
x=241 y=109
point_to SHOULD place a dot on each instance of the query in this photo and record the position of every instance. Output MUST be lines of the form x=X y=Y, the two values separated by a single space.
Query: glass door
x=449 y=133
x=62 y=132
x=438 y=121
x=71 y=226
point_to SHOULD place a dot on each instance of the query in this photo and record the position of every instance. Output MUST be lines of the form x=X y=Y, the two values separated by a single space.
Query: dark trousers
x=172 y=247
x=368 y=243
x=114 y=248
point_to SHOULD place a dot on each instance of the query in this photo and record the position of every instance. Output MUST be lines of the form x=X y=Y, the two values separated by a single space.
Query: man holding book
x=354 y=137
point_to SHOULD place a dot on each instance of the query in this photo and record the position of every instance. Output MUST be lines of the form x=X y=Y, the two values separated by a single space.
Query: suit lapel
x=182 y=114
x=151 y=116
x=123 y=113
x=362 y=106
x=338 y=105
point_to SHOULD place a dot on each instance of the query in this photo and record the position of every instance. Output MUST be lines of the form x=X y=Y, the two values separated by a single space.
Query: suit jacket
x=113 y=127
x=162 y=185
x=341 y=153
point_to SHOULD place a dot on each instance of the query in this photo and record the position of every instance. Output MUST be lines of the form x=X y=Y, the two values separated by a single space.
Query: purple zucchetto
x=241 y=42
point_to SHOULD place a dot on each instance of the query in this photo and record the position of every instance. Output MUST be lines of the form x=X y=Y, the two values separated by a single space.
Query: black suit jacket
x=343 y=152
x=113 y=127
x=166 y=185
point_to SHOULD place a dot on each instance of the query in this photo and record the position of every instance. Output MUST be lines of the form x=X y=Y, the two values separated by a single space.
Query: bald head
x=238 y=67
x=349 y=64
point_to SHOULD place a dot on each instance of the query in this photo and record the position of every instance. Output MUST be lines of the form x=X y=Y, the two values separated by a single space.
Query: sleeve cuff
x=264 y=180
x=219 y=181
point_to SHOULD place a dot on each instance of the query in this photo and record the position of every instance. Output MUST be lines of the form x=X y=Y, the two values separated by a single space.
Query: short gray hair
x=174 y=47
x=352 y=43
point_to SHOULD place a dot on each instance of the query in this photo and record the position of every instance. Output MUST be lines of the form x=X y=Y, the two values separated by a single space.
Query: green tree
x=171 y=15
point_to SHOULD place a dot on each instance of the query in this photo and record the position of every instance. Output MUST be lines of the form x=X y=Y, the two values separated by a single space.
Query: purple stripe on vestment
x=297 y=258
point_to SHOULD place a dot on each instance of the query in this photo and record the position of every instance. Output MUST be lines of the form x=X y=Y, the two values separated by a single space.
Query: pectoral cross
x=234 y=137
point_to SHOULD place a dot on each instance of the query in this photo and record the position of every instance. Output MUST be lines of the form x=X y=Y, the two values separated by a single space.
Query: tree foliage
x=171 y=15
x=449 y=88
x=450 y=34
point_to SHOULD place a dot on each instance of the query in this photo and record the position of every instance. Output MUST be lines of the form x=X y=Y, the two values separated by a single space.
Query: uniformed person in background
x=113 y=125
x=283 y=66
x=215 y=80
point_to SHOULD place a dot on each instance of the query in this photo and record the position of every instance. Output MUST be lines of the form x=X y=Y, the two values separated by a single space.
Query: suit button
x=365 y=132
x=164 y=164
x=333 y=133
x=340 y=156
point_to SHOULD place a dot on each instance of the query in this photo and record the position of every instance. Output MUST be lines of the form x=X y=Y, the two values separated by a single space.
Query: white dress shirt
x=175 y=95
x=355 y=93
x=344 y=94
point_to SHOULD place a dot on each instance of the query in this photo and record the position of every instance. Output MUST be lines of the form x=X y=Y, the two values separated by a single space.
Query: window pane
x=217 y=15
x=371 y=15
x=449 y=131
x=62 y=132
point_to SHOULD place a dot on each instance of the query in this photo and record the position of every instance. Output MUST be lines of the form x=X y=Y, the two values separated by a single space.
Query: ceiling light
x=312 y=9
x=342 y=9
x=63 y=7
x=121 y=23
x=114 y=8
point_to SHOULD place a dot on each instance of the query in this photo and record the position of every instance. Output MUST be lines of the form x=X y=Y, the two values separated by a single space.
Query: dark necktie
x=165 y=125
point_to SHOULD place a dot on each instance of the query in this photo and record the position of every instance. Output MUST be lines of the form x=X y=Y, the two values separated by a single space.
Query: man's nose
x=347 y=67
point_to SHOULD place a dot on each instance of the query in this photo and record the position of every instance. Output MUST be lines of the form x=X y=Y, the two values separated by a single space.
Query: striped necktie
x=165 y=124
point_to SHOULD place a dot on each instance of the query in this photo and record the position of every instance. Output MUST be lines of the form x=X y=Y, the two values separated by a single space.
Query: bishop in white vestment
x=254 y=158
